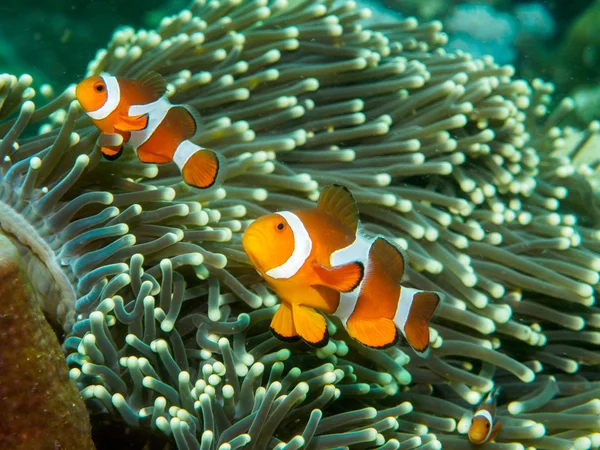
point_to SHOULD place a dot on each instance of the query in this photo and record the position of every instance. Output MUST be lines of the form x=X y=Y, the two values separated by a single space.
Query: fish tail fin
x=310 y=325
x=282 y=324
x=415 y=324
x=200 y=167
x=378 y=333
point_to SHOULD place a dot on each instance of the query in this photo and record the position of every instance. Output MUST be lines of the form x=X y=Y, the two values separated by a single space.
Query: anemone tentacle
x=447 y=155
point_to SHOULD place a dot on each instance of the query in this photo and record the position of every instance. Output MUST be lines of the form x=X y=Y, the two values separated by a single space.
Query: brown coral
x=41 y=407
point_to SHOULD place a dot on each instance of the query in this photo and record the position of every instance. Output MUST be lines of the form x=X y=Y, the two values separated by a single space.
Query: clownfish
x=482 y=428
x=136 y=112
x=319 y=260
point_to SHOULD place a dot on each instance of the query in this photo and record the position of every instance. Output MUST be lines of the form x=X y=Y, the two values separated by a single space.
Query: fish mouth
x=255 y=263
x=250 y=242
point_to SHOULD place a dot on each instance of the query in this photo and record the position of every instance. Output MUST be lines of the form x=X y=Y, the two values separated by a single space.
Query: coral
x=581 y=43
x=464 y=166
x=423 y=10
x=482 y=30
x=580 y=49
x=41 y=408
x=535 y=21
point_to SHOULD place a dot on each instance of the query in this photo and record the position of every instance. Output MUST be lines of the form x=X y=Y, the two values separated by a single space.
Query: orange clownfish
x=136 y=112
x=318 y=260
x=482 y=428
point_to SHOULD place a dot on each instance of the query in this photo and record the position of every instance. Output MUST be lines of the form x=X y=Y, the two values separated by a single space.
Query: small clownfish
x=319 y=260
x=136 y=112
x=483 y=429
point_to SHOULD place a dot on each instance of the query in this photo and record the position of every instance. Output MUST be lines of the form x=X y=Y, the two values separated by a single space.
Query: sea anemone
x=167 y=324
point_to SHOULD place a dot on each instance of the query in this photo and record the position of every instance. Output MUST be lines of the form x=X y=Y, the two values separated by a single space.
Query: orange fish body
x=380 y=308
x=136 y=112
x=320 y=261
x=299 y=272
x=484 y=428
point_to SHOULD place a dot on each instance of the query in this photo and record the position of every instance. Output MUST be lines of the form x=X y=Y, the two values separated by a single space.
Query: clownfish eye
x=99 y=87
x=280 y=226
x=487 y=424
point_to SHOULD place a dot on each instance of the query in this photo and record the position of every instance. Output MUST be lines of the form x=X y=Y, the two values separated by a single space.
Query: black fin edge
x=391 y=344
x=113 y=157
x=284 y=338
x=362 y=275
x=320 y=344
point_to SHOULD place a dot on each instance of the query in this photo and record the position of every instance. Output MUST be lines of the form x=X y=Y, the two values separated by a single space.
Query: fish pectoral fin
x=344 y=278
x=132 y=123
x=379 y=333
x=310 y=325
x=337 y=201
x=392 y=258
x=202 y=168
x=495 y=431
x=416 y=328
x=282 y=324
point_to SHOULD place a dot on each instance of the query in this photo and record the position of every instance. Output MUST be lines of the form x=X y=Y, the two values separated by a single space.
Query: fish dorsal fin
x=195 y=115
x=155 y=82
x=392 y=258
x=416 y=329
x=337 y=201
x=493 y=395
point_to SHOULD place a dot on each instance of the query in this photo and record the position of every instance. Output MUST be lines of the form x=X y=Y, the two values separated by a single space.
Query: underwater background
x=548 y=39
x=466 y=131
